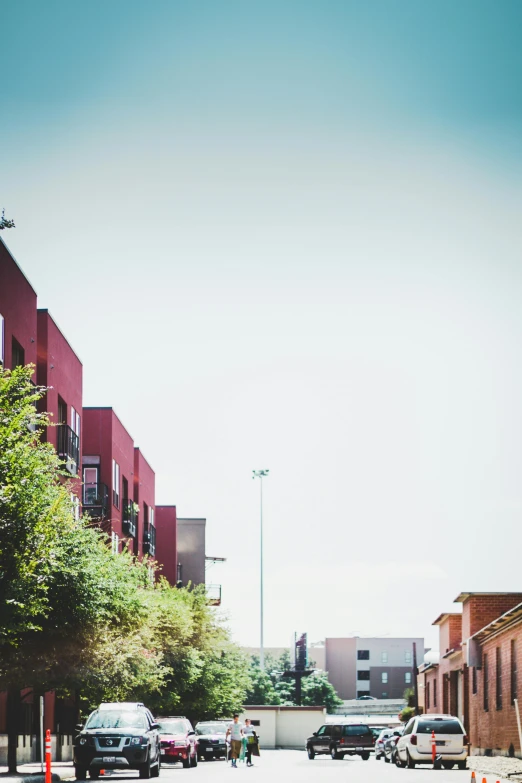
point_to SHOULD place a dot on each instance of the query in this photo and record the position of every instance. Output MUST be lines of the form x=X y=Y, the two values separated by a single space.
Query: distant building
x=383 y=668
x=191 y=551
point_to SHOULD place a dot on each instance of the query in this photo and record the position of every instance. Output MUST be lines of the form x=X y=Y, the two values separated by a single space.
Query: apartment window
x=363 y=675
x=498 y=678
x=427 y=695
x=2 y=349
x=115 y=543
x=384 y=657
x=115 y=483
x=384 y=677
x=474 y=680
x=62 y=411
x=18 y=355
x=407 y=656
x=485 y=674
x=384 y=695
x=514 y=676
x=151 y=516
x=363 y=655
x=407 y=677
x=434 y=693
x=75 y=421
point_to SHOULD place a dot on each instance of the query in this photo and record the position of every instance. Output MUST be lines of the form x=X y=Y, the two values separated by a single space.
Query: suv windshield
x=172 y=727
x=356 y=731
x=211 y=728
x=439 y=727
x=117 y=719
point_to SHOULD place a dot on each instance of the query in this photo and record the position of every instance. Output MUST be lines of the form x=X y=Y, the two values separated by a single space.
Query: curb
x=28 y=778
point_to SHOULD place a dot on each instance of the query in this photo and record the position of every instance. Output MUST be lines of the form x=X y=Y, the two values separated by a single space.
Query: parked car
x=390 y=746
x=118 y=736
x=340 y=740
x=178 y=741
x=366 y=698
x=379 y=742
x=211 y=736
x=414 y=747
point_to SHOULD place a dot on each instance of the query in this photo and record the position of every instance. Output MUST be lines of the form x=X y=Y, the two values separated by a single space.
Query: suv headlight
x=138 y=741
x=83 y=740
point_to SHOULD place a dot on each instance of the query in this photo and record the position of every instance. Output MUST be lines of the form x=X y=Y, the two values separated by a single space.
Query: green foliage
x=271 y=687
x=5 y=222
x=76 y=617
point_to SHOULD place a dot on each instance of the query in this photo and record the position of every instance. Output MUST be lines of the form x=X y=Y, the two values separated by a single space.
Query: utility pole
x=260 y=474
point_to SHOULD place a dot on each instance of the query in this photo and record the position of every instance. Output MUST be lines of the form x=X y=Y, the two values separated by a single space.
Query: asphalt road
x=294 y=765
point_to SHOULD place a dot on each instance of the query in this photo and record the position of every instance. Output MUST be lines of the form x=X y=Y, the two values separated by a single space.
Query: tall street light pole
x=260 y=474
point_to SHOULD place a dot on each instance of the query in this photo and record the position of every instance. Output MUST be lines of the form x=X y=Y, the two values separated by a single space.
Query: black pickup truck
x=340 y=740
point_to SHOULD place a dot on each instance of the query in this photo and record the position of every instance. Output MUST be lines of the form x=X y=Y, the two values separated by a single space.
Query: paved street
x=291 y=765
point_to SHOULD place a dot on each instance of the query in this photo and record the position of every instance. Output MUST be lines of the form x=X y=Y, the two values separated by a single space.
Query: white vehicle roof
x=121 y=705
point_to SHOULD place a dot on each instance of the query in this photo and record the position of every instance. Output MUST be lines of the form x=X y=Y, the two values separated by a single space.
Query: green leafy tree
x=5 y=222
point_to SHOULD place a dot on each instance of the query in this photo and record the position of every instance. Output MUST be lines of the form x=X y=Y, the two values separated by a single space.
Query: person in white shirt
x=251 y=738
x=235 y=732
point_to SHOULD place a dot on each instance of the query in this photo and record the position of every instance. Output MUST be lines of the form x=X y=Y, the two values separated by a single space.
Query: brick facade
x=481 y=694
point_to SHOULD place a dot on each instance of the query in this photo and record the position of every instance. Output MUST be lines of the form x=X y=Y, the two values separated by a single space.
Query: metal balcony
x=214 y=595
x=95 y=499
x=130 y=517
x=149 y=541
x=68 y=448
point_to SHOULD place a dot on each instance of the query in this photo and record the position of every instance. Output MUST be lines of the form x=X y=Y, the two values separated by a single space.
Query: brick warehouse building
x=477 y=676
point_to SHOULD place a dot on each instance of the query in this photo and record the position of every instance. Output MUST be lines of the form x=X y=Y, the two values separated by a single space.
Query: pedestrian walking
x=235 y=732
x=252 y=742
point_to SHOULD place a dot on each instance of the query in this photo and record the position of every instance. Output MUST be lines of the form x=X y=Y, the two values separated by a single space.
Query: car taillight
x=413 y=739
x=341 y=741
x=465 y=740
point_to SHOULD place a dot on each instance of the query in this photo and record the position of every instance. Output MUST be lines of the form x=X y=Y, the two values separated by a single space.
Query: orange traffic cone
x=472 y=776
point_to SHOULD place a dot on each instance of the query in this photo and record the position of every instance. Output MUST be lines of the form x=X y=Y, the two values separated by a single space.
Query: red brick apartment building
x=59 y=368
x=166 y=542
x=18 y=328
x=478 y=672
x=109 y=461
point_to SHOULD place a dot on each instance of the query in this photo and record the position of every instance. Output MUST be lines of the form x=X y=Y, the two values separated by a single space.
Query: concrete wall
x=191 y=550
x=285 y=727
x=26 y=753
x=340 y=663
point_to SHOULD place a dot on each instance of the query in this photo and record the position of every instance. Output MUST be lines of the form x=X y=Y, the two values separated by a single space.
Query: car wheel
x=386 y=759
x=365 y=756
x=311 y=753
x=334 y=754
x=80 y=773
x=194 y=760
x=409 y=761
x=448 y=764
x=398 y=762
x=145 y=770
x=462 y=765
x=155 y=773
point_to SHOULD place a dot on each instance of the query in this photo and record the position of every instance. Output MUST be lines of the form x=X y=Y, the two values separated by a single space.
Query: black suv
x=119 y=737
x=212 y=739
x=340 y=740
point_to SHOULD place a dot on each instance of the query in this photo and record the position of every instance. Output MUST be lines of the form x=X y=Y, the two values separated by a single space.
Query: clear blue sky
x=287 y=235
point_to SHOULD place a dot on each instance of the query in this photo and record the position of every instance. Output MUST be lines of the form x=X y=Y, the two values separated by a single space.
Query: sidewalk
x=31 y=773
x=496 y=767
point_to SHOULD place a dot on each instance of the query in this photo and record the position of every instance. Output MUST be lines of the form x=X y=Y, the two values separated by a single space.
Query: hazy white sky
x=288 y=236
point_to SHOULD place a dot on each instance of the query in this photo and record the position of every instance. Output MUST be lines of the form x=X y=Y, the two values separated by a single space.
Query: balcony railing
x=96 y=499
x=149 y=541
x=69 y=448
x=130 y=517
x=214 y=595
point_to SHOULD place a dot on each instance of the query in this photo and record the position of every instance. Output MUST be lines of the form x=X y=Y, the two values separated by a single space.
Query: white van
x=414 y=747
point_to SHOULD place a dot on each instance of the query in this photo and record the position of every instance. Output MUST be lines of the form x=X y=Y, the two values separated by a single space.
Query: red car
x=178 y=741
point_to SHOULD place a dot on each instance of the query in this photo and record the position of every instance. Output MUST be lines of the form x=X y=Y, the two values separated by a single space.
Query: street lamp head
x=259 y=473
